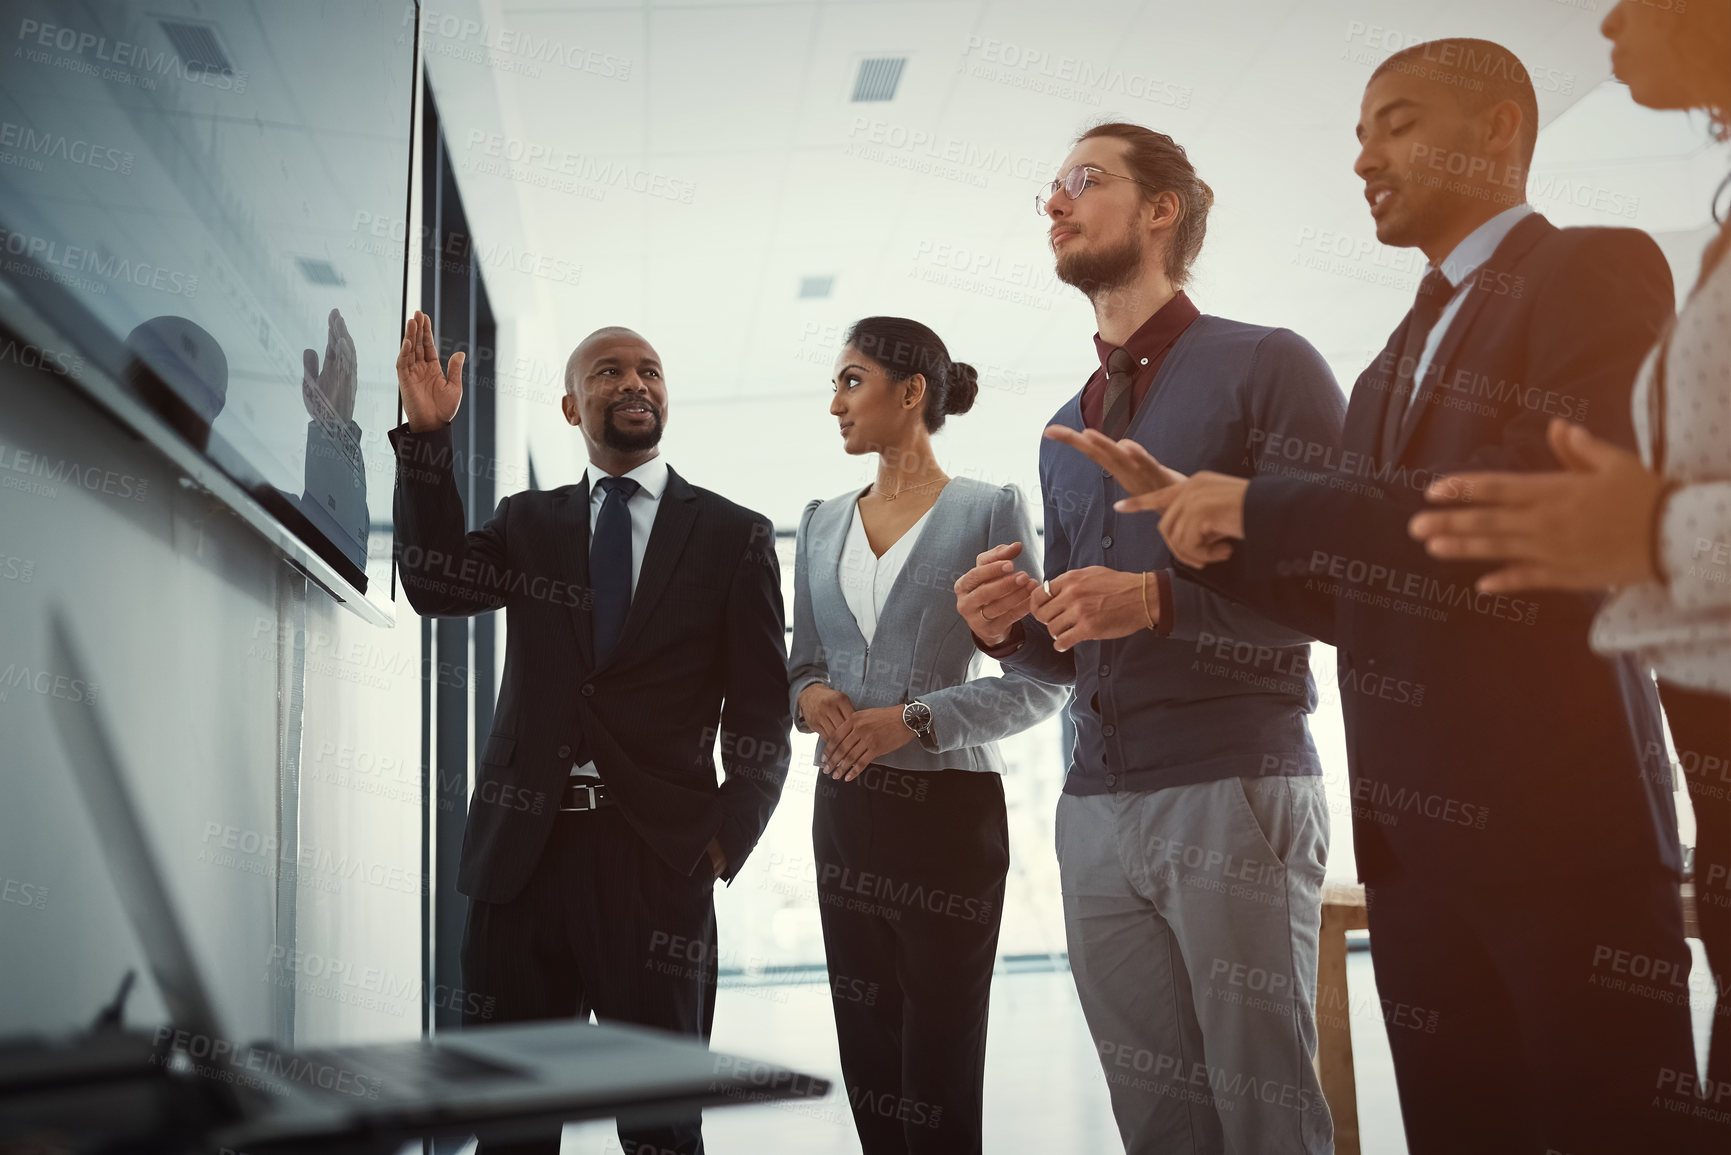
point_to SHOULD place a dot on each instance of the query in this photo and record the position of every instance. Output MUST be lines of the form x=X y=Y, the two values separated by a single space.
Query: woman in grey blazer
x=910 y=836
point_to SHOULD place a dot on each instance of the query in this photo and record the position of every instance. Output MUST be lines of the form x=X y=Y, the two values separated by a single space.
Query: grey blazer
x=922 y=648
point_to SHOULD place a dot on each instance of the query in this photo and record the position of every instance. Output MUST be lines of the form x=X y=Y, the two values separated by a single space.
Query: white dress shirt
x=1474 y=250
x=866 y=578
x=651 y=476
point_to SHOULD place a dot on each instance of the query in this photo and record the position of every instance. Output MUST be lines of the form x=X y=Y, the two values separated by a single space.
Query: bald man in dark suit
x=645 y=620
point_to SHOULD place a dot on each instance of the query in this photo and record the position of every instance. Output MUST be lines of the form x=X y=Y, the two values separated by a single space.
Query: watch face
x=918 y=716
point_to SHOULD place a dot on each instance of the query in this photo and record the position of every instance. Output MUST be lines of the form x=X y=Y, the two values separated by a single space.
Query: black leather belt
x=584 y=795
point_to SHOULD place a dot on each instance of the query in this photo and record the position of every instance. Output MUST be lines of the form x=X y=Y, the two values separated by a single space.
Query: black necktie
x=610 y=565
x=1433 y=296
x=1120 y=399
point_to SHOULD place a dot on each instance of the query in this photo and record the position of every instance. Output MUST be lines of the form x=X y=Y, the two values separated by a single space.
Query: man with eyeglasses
x=1193 y=829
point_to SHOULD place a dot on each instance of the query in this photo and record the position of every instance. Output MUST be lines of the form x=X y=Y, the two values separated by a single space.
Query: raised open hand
x=328 y=391
x=430 y=394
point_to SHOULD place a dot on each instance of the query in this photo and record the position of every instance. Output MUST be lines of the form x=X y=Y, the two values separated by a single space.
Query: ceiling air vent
x=815 y=288
x=319 y=272
x=197 y=47
x=878 y=78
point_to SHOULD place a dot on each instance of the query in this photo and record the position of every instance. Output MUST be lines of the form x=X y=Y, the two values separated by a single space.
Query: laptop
x=497 y=1081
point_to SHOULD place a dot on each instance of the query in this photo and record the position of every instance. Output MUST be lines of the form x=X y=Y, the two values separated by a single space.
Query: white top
x=1474 y=250
x=652 y=476
x=1682 y=626
x=866 y=578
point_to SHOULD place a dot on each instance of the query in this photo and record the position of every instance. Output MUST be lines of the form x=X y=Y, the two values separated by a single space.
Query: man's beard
x=1095 y=272
x=626 y=441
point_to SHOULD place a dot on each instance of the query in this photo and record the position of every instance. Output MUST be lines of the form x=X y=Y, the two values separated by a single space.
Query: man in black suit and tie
x=645 y=620
x=1521 y=860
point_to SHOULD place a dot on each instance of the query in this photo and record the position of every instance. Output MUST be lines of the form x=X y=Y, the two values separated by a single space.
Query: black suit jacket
x=1484 y=737
x=703 y=654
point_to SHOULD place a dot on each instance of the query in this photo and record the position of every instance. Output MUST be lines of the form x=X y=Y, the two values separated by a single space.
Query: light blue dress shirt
x=1460 y=264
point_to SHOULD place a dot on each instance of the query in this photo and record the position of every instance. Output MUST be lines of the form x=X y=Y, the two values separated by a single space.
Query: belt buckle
x=589 y=791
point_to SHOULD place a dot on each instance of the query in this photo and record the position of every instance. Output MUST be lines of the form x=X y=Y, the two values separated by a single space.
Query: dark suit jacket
x=1484 y=737
x=703 y=653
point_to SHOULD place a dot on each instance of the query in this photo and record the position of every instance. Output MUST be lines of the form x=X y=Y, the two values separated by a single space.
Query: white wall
x=183 y=613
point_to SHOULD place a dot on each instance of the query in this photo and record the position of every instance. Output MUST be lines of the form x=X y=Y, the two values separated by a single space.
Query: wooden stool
x=1342 y=910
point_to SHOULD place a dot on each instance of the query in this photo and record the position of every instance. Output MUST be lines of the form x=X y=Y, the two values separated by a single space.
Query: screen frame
x=42 y=312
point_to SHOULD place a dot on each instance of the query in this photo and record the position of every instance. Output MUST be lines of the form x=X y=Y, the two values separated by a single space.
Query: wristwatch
x=917 y=716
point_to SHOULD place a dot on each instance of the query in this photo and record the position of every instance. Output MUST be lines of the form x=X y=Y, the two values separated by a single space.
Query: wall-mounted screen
x=207 y=204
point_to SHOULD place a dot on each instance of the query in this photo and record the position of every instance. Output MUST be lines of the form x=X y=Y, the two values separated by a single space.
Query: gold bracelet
x=1145 y=612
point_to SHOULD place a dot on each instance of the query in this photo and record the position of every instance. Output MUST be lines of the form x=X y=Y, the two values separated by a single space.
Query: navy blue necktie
x=610 y=565
x=1434 y=293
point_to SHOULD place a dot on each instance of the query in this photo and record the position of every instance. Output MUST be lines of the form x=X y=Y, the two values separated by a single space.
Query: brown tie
x=1120 y=393
x=1433 y=296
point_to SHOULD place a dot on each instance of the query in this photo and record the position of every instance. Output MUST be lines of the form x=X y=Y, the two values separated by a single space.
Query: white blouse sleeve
x=1695 y=545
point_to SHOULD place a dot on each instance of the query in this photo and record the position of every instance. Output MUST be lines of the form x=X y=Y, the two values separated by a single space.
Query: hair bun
x=964 y=387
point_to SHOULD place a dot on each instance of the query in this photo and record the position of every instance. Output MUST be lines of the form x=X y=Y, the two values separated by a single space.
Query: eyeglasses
x=1076 y=182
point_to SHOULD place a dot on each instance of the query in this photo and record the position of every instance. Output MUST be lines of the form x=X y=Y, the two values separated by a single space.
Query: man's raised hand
x=430 y=394
x=1134 y=467
x=993 y=596
x=1201 y=516
x=328 y=391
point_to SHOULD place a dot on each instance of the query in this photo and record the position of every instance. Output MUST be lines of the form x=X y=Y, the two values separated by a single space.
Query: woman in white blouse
x=909 y=832
x=1655 y=528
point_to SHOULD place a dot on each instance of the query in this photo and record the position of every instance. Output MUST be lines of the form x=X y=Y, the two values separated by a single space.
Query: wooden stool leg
x=1334 y=1031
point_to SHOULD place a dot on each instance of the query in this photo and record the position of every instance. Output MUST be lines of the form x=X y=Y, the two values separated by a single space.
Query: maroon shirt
x=1149 y=345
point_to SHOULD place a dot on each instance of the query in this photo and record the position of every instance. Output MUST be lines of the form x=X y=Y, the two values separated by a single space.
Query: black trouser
x=603 y=925
x=1701 y=731
x=1529 y=1017
x=910 y=880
